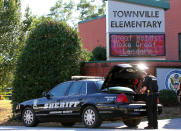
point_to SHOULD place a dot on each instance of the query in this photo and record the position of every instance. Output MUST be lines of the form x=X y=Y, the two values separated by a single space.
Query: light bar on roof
x=86 y=77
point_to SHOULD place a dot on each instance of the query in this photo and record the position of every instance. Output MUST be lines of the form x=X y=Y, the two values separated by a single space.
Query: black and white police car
x=90 y=100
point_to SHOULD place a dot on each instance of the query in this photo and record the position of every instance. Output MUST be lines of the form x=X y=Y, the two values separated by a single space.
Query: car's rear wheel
x=133 y=122
x=67 y=124
x=29 y=118
x=90 y=117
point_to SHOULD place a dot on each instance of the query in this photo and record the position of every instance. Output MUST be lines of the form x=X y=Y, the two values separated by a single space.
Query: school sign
x=135 y=29
x=128 y=17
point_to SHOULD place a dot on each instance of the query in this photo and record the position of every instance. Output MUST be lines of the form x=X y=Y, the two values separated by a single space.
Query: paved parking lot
x=169 y=124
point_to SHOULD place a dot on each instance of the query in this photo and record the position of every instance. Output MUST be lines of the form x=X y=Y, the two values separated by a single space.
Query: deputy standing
x=150 y=87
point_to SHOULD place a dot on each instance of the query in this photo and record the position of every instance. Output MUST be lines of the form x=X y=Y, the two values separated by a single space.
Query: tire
x=132 y=122
x=90 y=117
x=67 y=124
x=29 y=118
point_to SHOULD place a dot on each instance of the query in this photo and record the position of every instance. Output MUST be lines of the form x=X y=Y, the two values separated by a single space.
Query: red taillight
x=122 y=98
x=158 y=101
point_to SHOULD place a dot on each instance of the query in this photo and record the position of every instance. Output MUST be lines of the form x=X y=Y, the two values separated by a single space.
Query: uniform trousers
x=151 y=107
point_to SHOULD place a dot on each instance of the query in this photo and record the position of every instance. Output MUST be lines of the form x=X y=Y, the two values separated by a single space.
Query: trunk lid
x=121 y=78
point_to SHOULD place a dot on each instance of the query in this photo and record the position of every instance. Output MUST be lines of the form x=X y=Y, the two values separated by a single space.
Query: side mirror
x=45 y=94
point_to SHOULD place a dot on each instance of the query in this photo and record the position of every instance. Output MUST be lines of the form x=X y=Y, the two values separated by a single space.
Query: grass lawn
x=6 y=114
x=5 y=110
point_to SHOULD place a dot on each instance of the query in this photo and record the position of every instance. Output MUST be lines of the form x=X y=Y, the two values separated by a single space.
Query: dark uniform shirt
x=151 y=83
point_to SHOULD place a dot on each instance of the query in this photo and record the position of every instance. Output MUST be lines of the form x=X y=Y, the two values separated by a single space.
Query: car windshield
x=99 y=84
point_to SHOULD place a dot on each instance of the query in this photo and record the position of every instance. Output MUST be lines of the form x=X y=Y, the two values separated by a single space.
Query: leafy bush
x=86 y=55
x=99 y=53
x=52 y=54
x=168 y=97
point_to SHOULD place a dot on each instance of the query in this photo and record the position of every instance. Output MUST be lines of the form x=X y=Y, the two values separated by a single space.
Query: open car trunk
x=121 y=78
x=122 y=75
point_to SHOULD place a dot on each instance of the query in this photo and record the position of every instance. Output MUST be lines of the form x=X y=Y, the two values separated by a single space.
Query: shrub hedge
x=98 y=54
x=168 y=97
x=52 y=54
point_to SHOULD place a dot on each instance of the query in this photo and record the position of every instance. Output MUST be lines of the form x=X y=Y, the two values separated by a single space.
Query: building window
x=179 y=37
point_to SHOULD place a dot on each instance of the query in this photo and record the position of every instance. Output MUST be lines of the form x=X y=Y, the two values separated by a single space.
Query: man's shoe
x=149 y=127
x=156 y=127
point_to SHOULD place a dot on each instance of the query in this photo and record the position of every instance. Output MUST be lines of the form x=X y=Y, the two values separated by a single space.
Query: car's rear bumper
x=138 y=109
x=124 y=110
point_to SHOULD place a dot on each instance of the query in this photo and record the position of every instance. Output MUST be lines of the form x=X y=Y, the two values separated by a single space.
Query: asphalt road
x=169 y=124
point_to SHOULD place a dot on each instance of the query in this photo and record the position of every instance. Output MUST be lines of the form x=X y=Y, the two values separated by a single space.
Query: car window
x=75 y=88
x=91 y=87
x=99 y=84
x=60 y=89
x=83 y=89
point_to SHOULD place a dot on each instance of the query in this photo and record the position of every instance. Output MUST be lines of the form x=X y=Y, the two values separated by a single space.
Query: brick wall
x=173 y=27
x=93 y=33
x=102 y=68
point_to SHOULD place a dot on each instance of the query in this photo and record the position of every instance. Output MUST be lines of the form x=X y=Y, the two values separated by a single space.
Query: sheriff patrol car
x=90 y=100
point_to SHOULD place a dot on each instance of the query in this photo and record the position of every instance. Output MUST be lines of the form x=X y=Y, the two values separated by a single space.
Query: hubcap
x=28 y=116
x=89 y=117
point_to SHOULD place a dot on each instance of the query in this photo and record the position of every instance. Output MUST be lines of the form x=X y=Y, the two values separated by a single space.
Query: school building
x=165 y=66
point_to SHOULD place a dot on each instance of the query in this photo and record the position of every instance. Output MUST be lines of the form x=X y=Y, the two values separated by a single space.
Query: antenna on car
x=86 y=77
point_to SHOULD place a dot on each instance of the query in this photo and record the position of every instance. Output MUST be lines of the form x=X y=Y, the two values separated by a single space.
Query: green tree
x=62 y=10
x=27 y=22
x=31 y=21
x=88 y=9
x=52 y=54
x=25 y=28
x=72 y=12
x=9 y=39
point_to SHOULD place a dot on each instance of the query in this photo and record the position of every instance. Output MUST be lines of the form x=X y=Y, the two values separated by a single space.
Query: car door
x=54 y=104
x=75 y=97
